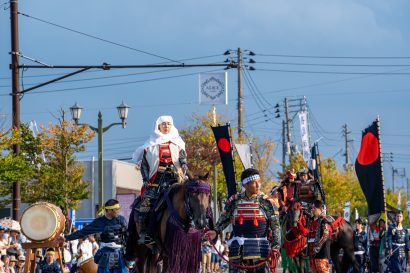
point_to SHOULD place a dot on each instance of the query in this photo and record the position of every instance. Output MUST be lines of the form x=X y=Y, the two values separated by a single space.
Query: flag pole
x=381 y=166
x=233 y=156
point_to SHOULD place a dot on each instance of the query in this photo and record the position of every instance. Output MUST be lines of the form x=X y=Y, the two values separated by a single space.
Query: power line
x=331 y=72
x=99 y=71
x=333 y=57
x=115 y=84
x=337 y=65
x=97 y=38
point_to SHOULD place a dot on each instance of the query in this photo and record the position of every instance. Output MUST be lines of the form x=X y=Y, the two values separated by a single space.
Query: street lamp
x=123 y=114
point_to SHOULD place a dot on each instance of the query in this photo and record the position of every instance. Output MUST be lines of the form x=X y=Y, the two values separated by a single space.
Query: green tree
x=13 y=168
x=59 y=178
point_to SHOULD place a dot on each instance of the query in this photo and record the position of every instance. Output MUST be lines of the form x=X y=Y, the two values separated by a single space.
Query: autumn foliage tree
x=60 y=177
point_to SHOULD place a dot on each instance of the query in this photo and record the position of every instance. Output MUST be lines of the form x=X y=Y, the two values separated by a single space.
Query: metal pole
x=100 y=162
x=240 y=98
x=289 y=142
x=15 y=95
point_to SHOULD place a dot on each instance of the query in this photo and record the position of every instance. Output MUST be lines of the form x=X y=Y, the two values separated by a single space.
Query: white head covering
x=158 y=138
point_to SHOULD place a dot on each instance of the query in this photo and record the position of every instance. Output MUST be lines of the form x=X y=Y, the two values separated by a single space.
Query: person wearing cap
x=21 y=260
x=360 y=245
x=162 y=161
x=112 y=228
x=398 y=245
x=13 y=262
x=49 y=264
x=319 y=239
x=253 y=215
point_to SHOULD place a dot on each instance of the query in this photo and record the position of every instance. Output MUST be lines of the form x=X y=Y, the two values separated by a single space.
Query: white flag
x=346 y=211
x=244 y=152
x=213 y=88
x=408 y=208
x=356 y=214
x=304 y=134
x=399 y=200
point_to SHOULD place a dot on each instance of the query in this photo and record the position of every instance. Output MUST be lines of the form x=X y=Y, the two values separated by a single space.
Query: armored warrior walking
x=398 y=245
x=252 y=214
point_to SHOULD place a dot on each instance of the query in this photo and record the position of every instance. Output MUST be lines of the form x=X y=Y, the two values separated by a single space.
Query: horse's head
x=198 y=199
x=294 y=213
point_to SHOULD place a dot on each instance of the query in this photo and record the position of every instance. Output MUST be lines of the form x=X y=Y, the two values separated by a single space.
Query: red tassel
x=240 y=218
x=255 y=221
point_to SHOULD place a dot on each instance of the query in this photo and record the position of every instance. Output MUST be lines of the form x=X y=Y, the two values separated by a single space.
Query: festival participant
x=49 y=264
x=318 y=239
x=360 y=245
x=308 y=190
x=382 y=249
x=398 y=245
x=286 y=191
x=162 y=161
x=375 y=234
x=252 y=215
x=113 y=229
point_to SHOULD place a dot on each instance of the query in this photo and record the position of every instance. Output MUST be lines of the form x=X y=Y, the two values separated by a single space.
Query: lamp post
x=123 y=114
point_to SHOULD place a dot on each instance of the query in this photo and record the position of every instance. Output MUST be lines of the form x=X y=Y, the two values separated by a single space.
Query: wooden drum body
x=88 y=266
x=42 y=222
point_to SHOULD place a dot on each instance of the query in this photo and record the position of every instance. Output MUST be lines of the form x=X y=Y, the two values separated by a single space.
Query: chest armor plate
x=306 y=192
x=165 y=153
x=290 y=191
x=400 y=237
x=249 y=220
x=359 y=240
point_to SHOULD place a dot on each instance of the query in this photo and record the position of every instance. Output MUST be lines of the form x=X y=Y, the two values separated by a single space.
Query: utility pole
x=346 y=135
x=240 y=97
x=283 y=147
x=15 y=81
x=407 y=188
x=393 y=170
x=289 y=141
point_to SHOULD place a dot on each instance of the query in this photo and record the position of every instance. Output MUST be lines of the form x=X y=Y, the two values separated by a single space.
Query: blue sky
x=190 y=29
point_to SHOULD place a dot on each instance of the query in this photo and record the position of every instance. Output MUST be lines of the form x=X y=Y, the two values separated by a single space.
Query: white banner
x=346 y=211
x=213 y=88
x=408 y=208
x=304 y=134
x=244 y=152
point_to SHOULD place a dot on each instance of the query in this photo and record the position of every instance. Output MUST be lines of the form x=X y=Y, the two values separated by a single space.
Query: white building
x=121 y=181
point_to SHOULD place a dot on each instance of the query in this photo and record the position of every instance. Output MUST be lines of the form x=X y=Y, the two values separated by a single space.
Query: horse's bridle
x=196 y=187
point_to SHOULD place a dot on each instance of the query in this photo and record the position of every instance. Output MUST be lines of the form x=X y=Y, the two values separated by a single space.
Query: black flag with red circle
x=223 y=142
x=369 y=171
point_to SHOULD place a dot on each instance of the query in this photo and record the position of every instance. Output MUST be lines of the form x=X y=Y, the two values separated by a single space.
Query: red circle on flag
x=224 y=145
x=369 y=150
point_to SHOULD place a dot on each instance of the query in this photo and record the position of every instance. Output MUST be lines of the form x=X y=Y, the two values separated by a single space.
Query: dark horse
x=177 y=224
x=342 y=238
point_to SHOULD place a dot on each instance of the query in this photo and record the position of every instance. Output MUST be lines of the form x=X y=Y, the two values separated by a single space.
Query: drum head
x=39 y=222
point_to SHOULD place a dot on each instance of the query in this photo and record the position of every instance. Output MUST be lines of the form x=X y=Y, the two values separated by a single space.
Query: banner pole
x=381 y=165
x=233 y=157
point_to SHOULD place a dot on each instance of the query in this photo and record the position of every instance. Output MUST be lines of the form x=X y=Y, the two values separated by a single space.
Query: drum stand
x=30 y=265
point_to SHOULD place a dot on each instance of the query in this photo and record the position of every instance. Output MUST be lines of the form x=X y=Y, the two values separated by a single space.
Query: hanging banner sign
x=213 y=88
x=304 y=134
x=346 y=211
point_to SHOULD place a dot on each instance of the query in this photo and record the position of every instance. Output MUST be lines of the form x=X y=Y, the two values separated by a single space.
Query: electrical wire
x=332 y=72
x=97 y=38
x=336 y=65
x=114 y=84
x=332 y=57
